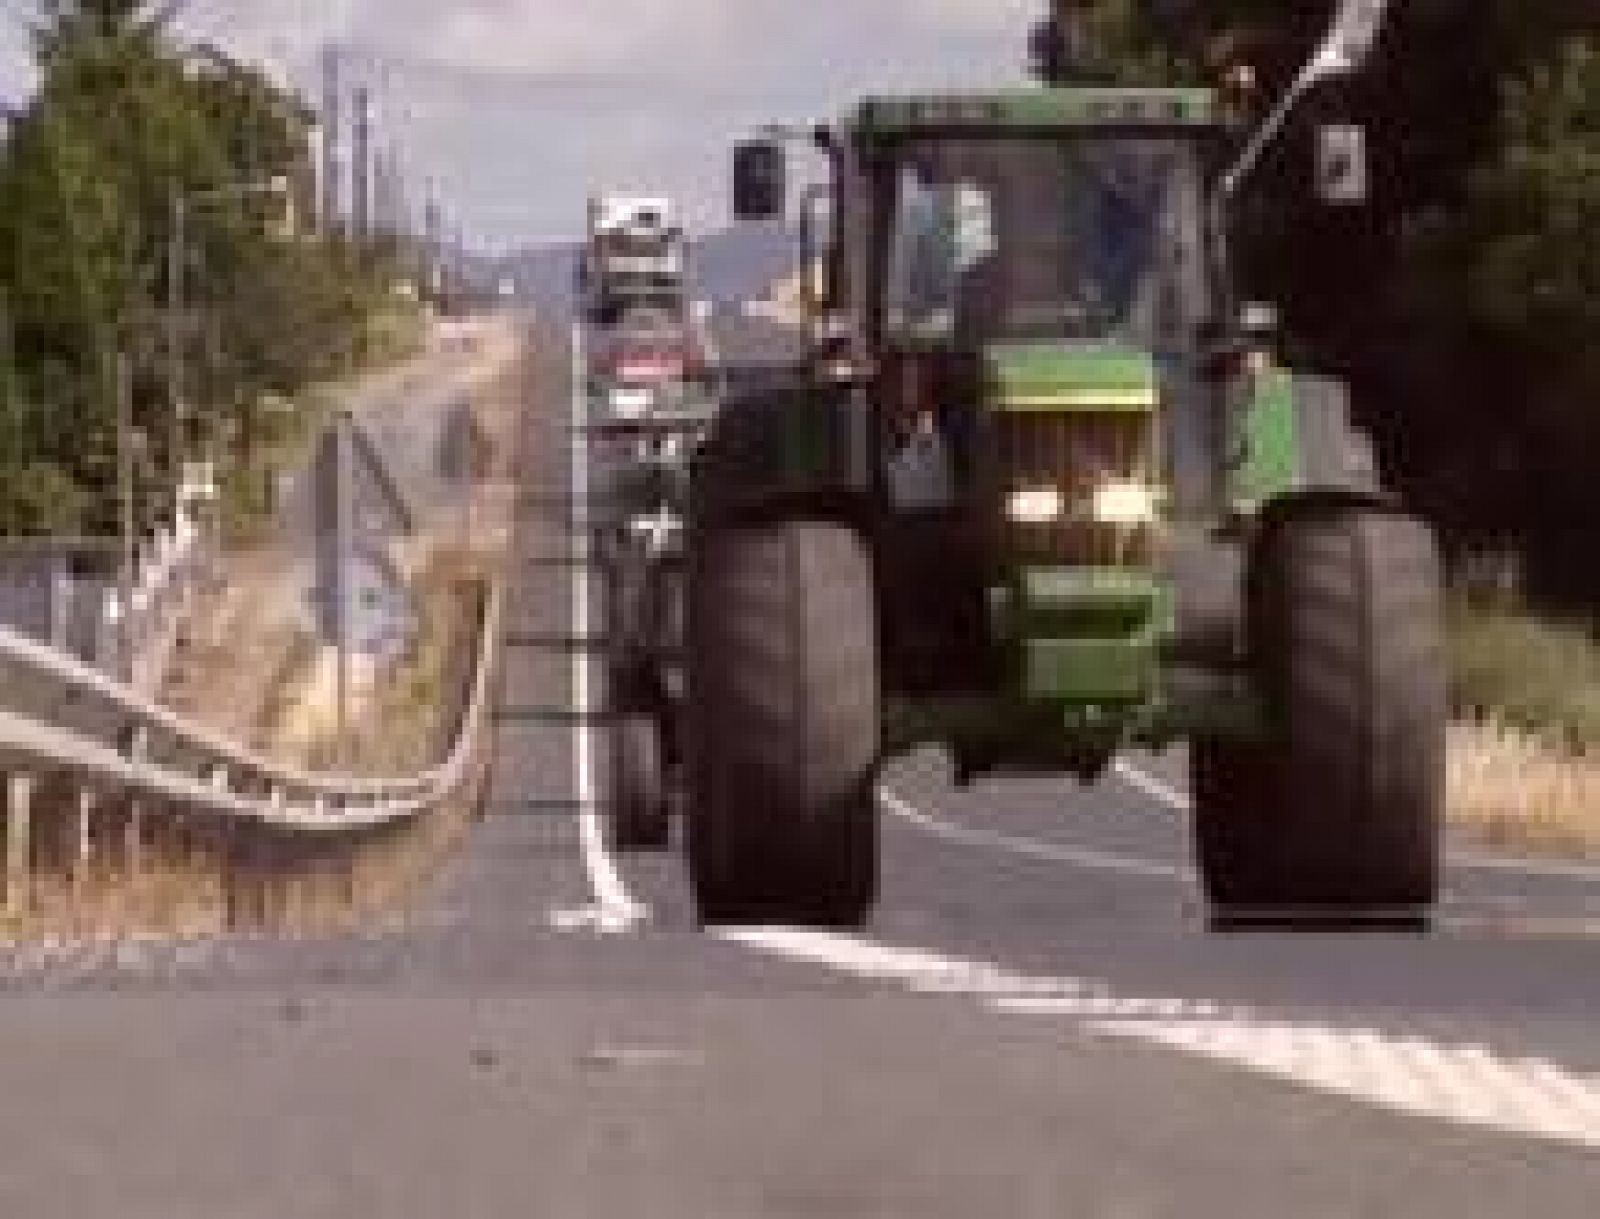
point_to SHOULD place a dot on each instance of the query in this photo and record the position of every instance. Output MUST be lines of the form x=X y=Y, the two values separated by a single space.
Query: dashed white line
x=1147 y=784
x=1028 y=848
x=1545 y=869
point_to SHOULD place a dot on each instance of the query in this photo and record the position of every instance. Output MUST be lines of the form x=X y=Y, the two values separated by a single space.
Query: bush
x=1510 y=666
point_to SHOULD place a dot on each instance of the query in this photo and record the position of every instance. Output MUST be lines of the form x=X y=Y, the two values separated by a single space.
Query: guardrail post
x=19 y=843
x=82 y=855
x=138 y=750
x=272 y=879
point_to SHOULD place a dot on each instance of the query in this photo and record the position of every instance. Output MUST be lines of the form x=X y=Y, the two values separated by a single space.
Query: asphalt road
x=1035 y=1024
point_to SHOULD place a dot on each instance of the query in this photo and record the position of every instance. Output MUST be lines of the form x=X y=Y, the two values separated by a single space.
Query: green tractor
x=1041 y=492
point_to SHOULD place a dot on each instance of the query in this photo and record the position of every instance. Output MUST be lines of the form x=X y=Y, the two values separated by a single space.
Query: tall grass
x=1510 y=789
x=1524 y=768
x=1522 y=671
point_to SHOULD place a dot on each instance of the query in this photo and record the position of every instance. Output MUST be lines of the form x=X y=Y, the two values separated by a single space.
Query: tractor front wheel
x=1337 y=813
x=782 y=725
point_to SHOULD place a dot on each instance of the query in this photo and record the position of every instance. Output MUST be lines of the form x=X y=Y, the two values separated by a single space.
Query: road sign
x=356 y=503
x=360 y=600
x=378 y=617
x=464 y=447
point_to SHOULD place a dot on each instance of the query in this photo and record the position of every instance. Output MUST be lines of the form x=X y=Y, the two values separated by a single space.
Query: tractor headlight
x=1125 y=503
x=1036 y=506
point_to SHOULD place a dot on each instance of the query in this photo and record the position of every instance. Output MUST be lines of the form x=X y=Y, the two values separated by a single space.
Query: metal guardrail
x=81 y=750
x=110 y=742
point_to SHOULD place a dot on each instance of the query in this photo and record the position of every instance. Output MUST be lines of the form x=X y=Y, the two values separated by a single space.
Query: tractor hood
x=1056 y=377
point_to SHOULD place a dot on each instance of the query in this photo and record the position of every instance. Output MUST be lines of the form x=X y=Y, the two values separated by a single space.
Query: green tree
x=125 y=122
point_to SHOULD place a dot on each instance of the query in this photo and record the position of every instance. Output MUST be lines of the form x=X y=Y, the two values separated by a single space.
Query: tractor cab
x=1027 y=262
x=1051 y=227
x=1019 y=276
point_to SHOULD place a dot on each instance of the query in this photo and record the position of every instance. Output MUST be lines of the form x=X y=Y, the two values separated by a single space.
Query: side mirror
x=760 y=180
x=1343 y=170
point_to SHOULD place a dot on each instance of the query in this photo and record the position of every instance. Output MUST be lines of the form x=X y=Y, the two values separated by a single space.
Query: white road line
x=1462 y=1084
x=615 y=909
x=1546 y=869
x=1027 y=848
x=1549 y=869
x=1147 y=784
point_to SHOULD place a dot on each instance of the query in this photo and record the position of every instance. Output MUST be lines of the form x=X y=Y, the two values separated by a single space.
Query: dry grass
x=1515 y=791
x=401 y=724
x=1524 y=766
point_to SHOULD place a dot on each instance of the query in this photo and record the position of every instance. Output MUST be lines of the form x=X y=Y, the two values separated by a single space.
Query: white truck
x=634 y=257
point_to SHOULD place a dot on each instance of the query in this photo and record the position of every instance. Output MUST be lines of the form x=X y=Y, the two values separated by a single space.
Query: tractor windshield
x=1091 y=239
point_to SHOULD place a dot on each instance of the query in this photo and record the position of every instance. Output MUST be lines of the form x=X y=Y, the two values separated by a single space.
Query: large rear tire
x=783 y=727
x=640 y=816
x=630 y=657
x=1337 y=815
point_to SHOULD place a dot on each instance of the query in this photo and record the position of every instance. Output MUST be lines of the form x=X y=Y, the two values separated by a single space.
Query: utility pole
x=458 y=256
x=344 y=548
x=362 y=188
x=122 y=389
x=332 y=141
x=432 y=236
x=177 y=263
x=380 y=193
x=404 y=218
x=390 y=202
x=8 y=367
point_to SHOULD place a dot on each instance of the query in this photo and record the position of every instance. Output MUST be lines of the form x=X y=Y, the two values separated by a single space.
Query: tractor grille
x=1073 y=452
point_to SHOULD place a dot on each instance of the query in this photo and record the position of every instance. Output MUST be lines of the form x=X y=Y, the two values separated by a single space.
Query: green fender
x=1296 y=439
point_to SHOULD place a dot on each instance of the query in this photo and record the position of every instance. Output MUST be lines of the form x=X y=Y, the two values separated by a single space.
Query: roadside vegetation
x=1462 y=304
x=1525 y=751
x=125 y=122
x=1530 y=674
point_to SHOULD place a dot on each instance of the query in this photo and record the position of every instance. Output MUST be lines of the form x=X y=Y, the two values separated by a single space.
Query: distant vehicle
x=650 y=362
x=653 y=392
x=634 y=257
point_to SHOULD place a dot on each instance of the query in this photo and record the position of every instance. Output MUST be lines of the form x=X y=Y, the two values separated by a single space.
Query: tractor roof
x=1029 y=111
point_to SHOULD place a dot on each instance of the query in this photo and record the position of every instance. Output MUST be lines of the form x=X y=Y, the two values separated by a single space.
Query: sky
x=519 y=108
